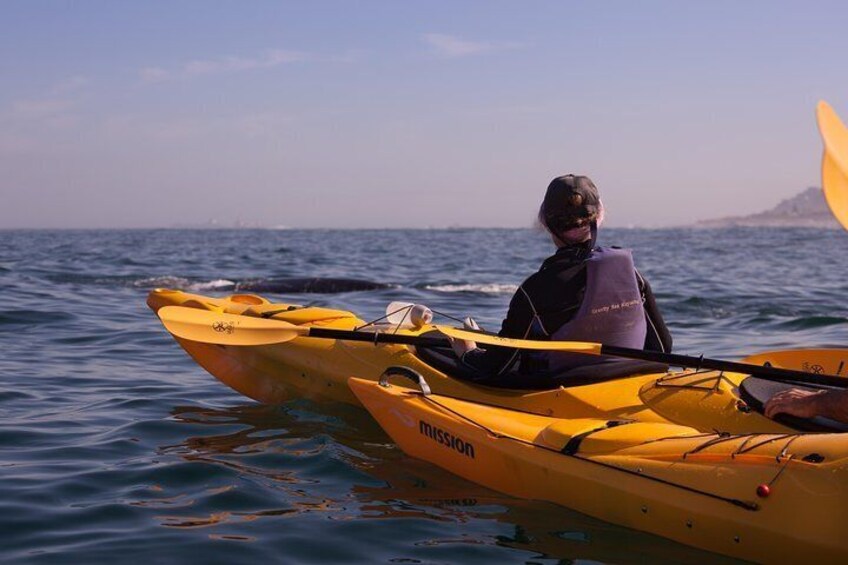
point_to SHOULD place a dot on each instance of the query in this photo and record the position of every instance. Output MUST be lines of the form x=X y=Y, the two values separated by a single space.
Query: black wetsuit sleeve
x=495 y=361
x=658 y=337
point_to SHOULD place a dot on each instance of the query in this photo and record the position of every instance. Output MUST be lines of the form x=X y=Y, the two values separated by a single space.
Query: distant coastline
x=805 y=210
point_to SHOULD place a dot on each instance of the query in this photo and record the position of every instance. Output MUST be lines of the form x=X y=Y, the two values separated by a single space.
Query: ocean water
x=114 y=445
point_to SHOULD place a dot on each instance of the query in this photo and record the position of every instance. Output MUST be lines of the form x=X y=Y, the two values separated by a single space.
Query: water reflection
x=305 y=448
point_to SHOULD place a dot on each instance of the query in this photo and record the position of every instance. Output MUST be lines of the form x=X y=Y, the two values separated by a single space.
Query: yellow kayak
x=765 y=497
x=308 y=367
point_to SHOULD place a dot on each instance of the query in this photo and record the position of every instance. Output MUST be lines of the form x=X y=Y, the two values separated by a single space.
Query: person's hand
x=461 y=346
x=794 y=402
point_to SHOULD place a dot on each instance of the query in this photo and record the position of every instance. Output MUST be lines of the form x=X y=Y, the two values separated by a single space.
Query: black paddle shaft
x=377 y=337
x=773 y=373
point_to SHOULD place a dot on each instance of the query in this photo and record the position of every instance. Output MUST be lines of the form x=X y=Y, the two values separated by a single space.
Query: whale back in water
x=313 y=285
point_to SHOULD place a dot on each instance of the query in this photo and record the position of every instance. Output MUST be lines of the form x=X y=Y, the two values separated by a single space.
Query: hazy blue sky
x=385 y=114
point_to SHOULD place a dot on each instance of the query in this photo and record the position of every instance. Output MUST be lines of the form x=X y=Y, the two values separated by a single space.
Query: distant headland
x=807 y=209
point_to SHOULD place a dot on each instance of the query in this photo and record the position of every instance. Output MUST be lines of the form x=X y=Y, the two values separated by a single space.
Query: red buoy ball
x=763 y=491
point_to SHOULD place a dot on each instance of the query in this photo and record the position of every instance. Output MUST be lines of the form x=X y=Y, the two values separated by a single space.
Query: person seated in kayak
x=580 y=293
x=801 y=403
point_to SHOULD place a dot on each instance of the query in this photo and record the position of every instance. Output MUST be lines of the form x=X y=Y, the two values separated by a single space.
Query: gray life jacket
x=612 y=311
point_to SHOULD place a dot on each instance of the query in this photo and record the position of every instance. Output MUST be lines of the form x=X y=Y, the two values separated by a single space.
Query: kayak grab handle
x=408 y=373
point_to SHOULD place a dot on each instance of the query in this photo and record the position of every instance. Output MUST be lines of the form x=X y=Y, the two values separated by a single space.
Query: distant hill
x=807 y=209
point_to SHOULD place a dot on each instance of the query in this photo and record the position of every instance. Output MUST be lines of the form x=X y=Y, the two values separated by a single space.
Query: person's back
x=610 y=312
x=581 y=293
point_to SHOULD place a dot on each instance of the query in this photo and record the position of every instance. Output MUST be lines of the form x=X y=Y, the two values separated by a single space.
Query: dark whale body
x=309 y=285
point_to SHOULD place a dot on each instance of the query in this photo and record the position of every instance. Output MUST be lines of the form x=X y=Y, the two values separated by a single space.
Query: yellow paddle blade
x=573 y=346
x=834 y=161
x=226 y=329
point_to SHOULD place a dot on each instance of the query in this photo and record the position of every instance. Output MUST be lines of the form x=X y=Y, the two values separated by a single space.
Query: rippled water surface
x=115 y=445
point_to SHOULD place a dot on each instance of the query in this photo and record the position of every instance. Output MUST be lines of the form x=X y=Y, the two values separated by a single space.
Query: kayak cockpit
x=443 y=359
x=756 y=392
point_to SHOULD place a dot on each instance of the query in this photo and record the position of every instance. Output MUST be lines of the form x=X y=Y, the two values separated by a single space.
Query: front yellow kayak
x=765 y=497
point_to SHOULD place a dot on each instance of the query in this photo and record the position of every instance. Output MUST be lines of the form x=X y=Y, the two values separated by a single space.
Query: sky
x=408 y=114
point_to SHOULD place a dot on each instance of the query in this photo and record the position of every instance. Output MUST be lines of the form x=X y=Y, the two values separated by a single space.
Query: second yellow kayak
x=308 y=367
